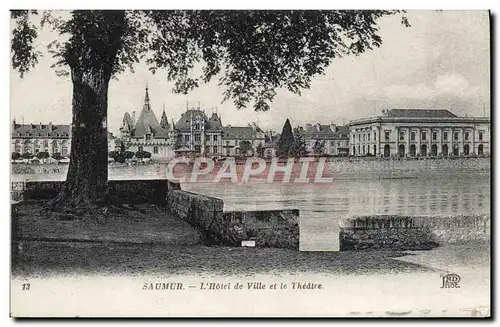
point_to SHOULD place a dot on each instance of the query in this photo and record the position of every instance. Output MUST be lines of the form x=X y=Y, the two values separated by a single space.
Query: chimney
x=133 y=118
x=50 y=126
x=333 y=128
x=318 y=127
x=254 y=126
x=308 y=126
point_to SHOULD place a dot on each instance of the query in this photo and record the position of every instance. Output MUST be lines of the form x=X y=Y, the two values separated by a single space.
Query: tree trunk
x=87 y=179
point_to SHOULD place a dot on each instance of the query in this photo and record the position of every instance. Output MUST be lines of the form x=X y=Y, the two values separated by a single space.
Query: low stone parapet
x=412 y=232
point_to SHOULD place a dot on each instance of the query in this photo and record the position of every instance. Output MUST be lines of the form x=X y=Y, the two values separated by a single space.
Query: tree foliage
x=319 y=147
x=245 y=147
x=299 y=143
x=260 y=150
x=43 y=155
x=57 y=156
x=142 y=154
x=252 y=52
x=286 y=141
x=27 y=155
x=15 y=156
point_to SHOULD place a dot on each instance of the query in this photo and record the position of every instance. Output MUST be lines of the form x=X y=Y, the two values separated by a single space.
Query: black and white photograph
x=250 y=163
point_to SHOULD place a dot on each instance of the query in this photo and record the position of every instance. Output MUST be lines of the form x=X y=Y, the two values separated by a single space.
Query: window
x=140 y=148
x=148 y=137
x=214 y=149
x=359 y=137
x=387 y=135
x=363 y=149
x=197 y=137
x=401 y=136
x=155 y=150
x=215 y=138
x=445 y=136
x=197 y=126
x=466 y=136
x=364 y=137
x=187 y=138
x=197 y=149
x=227 y=142
x=424 y=136
x=434 y=136
x=228 y=152
x=413 y=134
x=480 y=135
x=374 y=136
x=455 y=136
x=369 y=136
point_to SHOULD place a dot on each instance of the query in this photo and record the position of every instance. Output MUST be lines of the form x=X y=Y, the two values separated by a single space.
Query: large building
x=234 y=137
x=419 y=132
x=326 y=139
x=34 y=138
x=147 y=133
x=196 y=134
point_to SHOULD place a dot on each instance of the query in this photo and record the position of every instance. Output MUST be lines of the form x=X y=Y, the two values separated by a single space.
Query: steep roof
x=420 y=113
x=184 y=123
x=147 y=121
x=164 y=120
x=41 y=130
x=326 y=131
x=237 y=132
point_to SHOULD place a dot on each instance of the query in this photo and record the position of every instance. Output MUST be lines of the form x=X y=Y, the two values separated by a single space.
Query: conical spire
x=147 y=106
x=164 y=120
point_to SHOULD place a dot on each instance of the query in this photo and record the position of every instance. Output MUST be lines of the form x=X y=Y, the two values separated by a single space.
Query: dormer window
x=148 y=137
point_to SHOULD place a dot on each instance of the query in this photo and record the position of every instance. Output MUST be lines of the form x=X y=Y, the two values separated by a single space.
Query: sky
x=441 y=61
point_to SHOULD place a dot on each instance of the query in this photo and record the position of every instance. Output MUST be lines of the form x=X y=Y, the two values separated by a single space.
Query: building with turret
x=147 y=133
x=196 y=134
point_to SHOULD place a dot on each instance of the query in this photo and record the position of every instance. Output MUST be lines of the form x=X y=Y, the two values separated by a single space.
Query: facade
x=34 y=138
x=196 y=134
x=333 y=139
x=419 y=132
x=232 y=138
x=147 y=133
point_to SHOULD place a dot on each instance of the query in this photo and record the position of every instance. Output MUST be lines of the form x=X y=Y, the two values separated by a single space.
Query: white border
x=188 y=4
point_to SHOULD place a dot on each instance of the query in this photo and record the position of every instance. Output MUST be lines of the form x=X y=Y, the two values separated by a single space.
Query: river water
x=439 y=188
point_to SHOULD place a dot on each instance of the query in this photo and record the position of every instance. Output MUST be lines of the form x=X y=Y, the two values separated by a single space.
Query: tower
x=147 y=105
x=164 y=120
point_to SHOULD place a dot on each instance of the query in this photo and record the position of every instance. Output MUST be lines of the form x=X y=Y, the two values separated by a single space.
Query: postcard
x=250 y=163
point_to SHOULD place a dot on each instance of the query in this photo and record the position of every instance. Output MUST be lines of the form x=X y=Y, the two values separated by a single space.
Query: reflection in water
x=321 y=206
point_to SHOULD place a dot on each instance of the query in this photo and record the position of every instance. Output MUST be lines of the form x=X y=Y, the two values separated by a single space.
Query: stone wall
x=269 y=228
x=411 y=233
x=130 y=191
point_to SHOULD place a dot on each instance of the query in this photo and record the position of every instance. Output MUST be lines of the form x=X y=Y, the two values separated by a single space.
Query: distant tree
x=16 y=156
x=299 y=144
x=253 y=52
x=285 y=144
x=57 y=156
x=319 y=147
x=245 y=147
x=27 y=155
x=142 y=154
x=122 y=147
x=43 y=155
x=128 y=154
x=260 y=150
